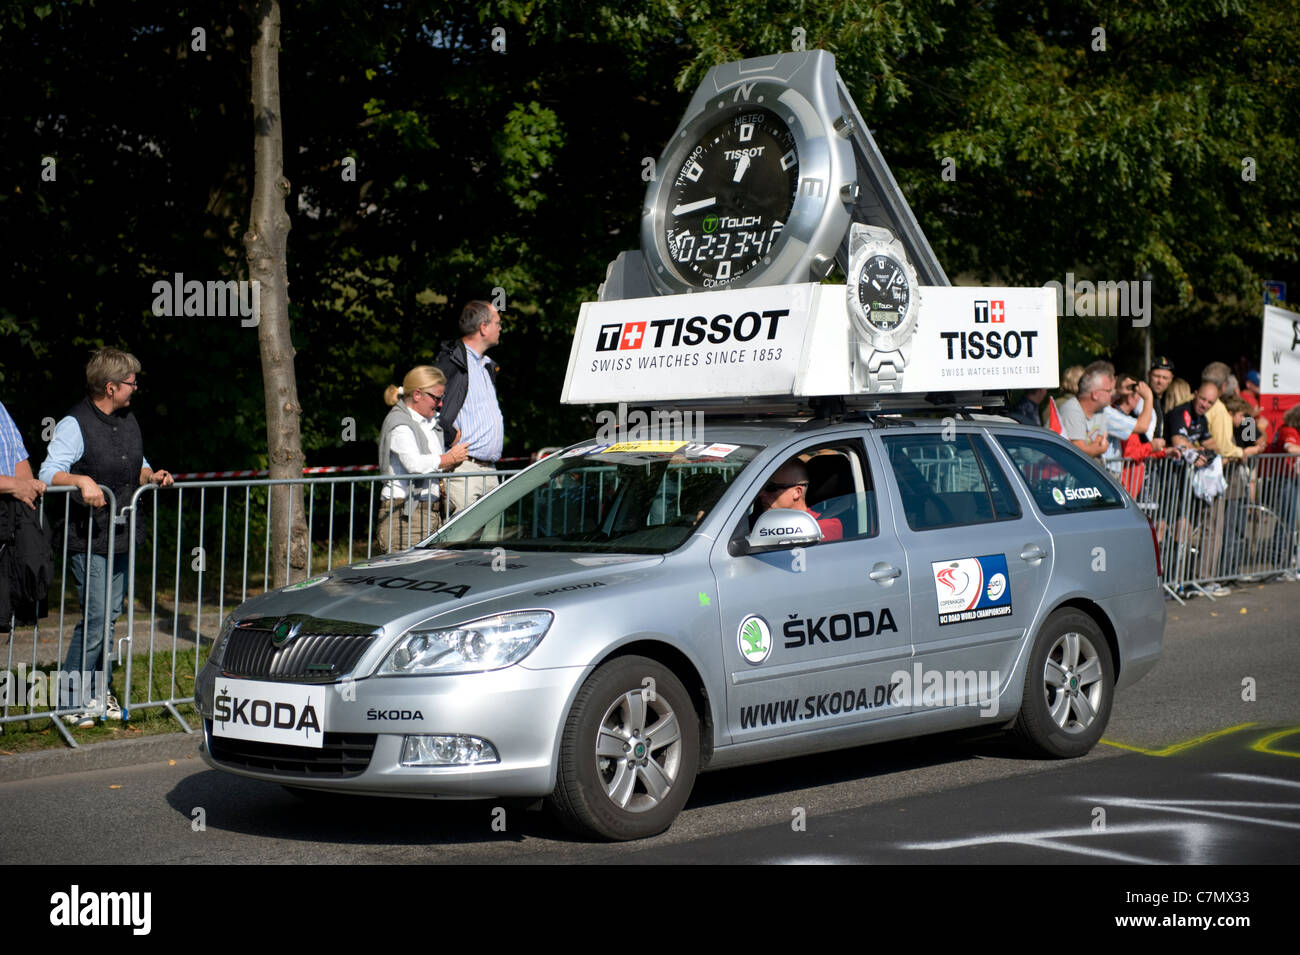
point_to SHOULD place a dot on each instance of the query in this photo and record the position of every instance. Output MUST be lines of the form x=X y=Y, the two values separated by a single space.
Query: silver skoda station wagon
x=620 y=617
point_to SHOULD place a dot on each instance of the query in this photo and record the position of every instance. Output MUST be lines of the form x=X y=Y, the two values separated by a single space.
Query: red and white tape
x=324 y=469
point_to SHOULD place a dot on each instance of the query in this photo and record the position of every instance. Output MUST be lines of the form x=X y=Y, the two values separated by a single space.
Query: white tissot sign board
x=798 y=340
x=1279 y=361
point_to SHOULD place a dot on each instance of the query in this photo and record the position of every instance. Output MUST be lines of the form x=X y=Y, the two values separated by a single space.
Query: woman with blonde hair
x=410 y=442
x=1070 y=381
x=1178 y=393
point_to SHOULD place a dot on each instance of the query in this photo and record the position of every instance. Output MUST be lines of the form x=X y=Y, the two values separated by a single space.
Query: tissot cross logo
x=994 y=311
x=633 y=335
x=619 y=336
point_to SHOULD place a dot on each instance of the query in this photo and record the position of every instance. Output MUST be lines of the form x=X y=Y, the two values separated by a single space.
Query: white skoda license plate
x=269 y=712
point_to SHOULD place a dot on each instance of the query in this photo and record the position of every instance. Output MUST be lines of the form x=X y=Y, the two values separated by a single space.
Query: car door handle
x=1032 y=552
x=883 y=572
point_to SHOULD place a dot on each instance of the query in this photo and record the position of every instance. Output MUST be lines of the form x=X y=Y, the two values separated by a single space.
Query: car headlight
x=219 y=645
x=487 y=644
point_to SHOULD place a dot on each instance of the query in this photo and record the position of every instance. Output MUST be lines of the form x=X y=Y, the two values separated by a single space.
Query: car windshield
x=639 y=497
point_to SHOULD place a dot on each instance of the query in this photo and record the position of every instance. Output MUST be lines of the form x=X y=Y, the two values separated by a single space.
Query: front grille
x=344 y=755
x=322 y=652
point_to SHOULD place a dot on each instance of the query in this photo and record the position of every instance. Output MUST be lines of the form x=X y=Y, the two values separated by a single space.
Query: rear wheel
x=1069 y=686
x=630 y=752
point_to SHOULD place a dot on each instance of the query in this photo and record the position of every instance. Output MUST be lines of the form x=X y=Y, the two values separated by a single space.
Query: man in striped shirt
x=16 y=477
x=470 y=412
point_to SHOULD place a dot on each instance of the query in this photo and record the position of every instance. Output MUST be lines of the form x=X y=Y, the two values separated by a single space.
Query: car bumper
x=1139 y=621
x=519 y=711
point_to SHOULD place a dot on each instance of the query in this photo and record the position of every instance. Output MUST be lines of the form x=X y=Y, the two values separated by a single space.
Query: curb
x=112 y=754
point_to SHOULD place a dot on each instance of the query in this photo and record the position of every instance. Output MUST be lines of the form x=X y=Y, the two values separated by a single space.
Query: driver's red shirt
x=831 y=529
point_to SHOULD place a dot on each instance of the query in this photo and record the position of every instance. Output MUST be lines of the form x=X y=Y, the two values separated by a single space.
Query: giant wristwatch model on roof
x=769 y=166
x=755 y=185
x=883 y=302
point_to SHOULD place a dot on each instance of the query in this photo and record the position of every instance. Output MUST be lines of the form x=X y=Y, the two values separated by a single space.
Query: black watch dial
x=883 y=292
x=731 y=198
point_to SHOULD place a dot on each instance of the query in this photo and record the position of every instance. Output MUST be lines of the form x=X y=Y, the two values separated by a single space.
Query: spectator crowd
x=1187 y=456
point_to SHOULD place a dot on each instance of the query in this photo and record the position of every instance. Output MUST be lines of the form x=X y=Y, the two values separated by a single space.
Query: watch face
x=731 y=198
x=884 y=292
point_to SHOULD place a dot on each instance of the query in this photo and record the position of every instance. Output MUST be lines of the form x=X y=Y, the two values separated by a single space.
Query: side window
x=1060 y=479
x=832 y=481
x=948 y=483
x=1005 y=505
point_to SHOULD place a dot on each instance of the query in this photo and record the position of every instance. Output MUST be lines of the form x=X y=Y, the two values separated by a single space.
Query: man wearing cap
x=1160 y=377
x=1251 y=392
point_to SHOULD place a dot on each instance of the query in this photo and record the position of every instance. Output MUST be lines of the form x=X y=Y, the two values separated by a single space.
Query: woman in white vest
x=410 y=442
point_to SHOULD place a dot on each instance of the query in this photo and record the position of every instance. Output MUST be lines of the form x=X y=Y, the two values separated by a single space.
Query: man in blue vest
x=98 y=442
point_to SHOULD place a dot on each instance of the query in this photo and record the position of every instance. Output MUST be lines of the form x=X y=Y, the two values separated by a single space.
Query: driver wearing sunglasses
x=788 y=488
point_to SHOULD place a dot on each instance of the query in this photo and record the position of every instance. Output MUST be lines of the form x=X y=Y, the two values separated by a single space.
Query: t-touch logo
x=994 y=311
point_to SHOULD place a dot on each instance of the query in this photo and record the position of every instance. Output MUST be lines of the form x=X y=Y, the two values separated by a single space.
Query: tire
x=1056 y=719
x=619 y=793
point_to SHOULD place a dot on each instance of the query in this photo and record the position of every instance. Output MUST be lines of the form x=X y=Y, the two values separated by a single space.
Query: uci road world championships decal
x=972 y=588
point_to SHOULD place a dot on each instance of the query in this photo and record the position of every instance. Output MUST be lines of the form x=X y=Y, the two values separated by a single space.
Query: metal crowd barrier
x=38 y=685
x=207 y=547
x=218 y=553
x=1243 y=529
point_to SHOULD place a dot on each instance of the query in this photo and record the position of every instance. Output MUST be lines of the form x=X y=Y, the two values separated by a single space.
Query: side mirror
x=780 y=528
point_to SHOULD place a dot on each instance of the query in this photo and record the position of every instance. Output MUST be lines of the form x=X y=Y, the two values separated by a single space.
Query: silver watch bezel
x=800 y=89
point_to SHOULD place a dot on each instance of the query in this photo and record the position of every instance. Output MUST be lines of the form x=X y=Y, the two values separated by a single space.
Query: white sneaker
x=81 y=721
x=1214 y=590
x=112 y=709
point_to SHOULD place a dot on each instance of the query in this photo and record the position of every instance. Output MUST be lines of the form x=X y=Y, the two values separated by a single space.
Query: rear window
x=948 y=483
x=1060 y=479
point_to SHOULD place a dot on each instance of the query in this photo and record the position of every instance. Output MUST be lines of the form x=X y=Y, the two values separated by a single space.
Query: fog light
x=447 y=751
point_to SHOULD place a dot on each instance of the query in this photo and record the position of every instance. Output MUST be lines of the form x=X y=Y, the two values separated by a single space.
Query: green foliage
x=520 y=169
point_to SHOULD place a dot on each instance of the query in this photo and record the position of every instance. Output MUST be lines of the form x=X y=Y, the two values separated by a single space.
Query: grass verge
x=37 y=732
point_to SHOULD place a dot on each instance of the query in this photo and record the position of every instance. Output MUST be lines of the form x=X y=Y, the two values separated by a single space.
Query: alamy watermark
x=648 y=425
x=78 y=908
x=211 y=299
x=39 y=688
x=947 y=688
x=1103 y=299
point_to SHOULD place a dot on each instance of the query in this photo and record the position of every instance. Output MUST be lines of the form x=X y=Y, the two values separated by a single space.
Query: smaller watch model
x=883 y=300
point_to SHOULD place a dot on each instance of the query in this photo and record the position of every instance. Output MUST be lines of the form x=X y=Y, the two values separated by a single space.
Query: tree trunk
x=266 y=244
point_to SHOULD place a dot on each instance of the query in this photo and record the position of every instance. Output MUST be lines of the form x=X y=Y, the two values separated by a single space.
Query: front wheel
x=630 y=752
x=1069 y=686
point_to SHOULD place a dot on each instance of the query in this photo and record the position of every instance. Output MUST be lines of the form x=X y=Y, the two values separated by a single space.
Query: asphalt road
x=1192 y=770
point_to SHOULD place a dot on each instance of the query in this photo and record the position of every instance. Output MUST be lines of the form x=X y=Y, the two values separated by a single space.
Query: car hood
x=420 y=584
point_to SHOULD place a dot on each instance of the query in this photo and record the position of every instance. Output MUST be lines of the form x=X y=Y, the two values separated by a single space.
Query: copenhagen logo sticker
x=754 y=638
x=971 y=588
